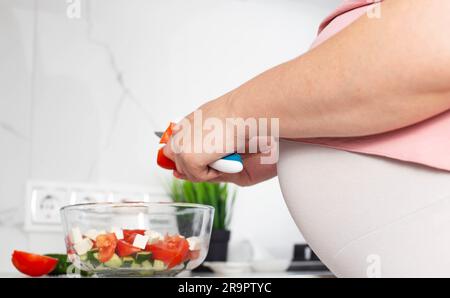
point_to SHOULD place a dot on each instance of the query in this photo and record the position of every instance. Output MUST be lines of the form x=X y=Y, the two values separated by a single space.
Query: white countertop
x=286 y=274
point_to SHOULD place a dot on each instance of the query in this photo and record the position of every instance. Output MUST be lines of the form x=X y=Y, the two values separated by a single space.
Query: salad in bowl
x=137 y=239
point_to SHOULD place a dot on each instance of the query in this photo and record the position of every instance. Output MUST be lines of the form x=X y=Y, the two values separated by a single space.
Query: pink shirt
x=426 y=143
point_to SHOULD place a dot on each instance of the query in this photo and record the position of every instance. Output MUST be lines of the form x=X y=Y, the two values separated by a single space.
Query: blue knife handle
x=230 y=164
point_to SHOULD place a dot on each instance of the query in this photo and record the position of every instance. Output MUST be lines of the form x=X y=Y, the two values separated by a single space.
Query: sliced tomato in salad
x=125 y=249
x=106 y=244
x=193 y=254
x=165 y=162
x=173 y=250
x=129 y=235
x=167 y=134
x=33 y=264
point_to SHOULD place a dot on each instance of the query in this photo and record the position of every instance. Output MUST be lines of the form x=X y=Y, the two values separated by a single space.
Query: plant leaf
x=230 y=208
x=188 y=191
x=200 y=193
x=216 y=195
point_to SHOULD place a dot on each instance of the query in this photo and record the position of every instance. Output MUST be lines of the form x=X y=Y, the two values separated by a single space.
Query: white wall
x=79 y=98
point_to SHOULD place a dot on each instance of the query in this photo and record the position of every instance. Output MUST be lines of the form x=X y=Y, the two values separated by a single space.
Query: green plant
x=206 y=193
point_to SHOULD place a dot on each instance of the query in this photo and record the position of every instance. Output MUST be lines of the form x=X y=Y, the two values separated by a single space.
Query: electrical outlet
x=79 y=196
x=45 y=204
x=42 y=203
x=45 y=198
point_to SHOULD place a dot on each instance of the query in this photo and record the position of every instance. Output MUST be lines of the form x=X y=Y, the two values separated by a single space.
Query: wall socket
x=45 y=198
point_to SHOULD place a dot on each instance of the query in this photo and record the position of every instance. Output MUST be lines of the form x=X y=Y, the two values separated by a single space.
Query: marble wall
x=80 y=97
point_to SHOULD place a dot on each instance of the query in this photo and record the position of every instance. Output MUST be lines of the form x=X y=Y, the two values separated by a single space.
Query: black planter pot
x=218 y=248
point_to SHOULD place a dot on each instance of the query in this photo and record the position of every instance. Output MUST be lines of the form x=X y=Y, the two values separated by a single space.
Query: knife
x=230 y=164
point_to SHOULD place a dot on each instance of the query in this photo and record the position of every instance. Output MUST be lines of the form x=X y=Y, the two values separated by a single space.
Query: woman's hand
x=254 y=172
x=191 y=160
x=193 y=165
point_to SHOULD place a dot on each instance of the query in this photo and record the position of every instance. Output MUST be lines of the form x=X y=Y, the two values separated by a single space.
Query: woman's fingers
x=194 y=167
x=168 y=152
x=178 y=175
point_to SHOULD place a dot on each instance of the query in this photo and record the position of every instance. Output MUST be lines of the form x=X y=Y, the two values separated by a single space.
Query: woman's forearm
x=375 y=76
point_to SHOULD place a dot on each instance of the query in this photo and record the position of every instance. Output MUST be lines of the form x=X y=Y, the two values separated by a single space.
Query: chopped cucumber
x=100 y=267
x=127 y=262
x=147 y=265
x=84 y=257
x=92 y=255
x=92 y=258
x=159 y=265
x=142 y=257
x=114 y=262
x=147 y=268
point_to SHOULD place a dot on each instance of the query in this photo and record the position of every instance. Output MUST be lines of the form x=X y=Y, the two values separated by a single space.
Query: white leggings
x=367 y=216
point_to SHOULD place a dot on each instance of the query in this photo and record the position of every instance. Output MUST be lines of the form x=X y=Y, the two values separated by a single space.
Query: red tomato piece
x=165 y=162
x=193 y=254
x=173 y=250
x=167 y=134
x=130 y=238
x=106 y=244
x=32 y=264
x=129 y=235
x=125 y=249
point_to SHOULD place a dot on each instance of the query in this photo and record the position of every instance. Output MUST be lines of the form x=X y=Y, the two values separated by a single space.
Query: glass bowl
x=137 y=239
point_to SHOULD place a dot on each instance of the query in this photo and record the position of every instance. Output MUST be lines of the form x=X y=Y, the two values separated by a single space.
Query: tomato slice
x=167 y=134
x=125 y=249
x=106 y=244
x=173 y=250
x=165 y=162
x=193 y=254
x=129 y=235
x=32 y=264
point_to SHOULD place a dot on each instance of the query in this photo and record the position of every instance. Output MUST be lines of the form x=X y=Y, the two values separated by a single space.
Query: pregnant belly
x=366 y=215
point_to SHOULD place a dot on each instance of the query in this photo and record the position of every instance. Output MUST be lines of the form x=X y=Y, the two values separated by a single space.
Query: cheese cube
x=75 y=235
x=195 y=243
x=153 y=236
x=118 y=232
x=83 y=246
x=91 y=234
x=140 y=241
